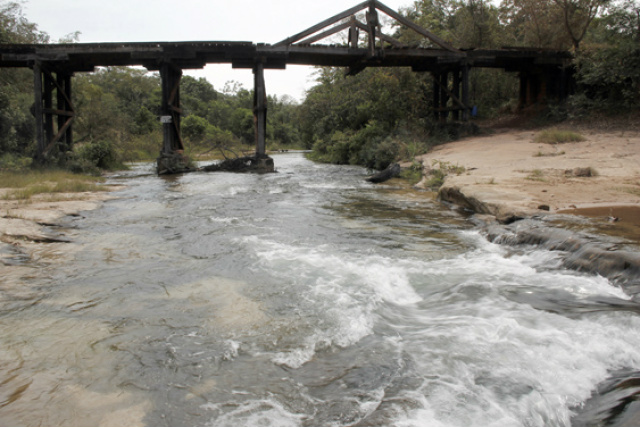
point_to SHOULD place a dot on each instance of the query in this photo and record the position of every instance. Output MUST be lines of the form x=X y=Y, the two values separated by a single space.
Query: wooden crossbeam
x=59 y=135
x=380 y=35
x=311 y=30
x=453 y=96
x=327 y=33
x=59 y=112
x=415 y=27
x=60 y=89
x=372 y=27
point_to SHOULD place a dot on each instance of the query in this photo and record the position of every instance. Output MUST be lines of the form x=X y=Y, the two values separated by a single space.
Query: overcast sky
x=258 y=21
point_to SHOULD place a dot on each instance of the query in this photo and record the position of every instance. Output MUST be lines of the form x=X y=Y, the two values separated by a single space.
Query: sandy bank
x=508 y=174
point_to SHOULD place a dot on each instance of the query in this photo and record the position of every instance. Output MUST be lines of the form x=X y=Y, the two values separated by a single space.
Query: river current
x=308 y=297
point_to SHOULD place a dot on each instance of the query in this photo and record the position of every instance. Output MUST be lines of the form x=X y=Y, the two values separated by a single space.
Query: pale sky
x=258 y=21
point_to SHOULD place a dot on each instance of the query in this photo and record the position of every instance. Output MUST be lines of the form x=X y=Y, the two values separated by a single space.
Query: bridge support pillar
x=172 y=159
x=52 y=133
x=263 y=163
x=260 y=110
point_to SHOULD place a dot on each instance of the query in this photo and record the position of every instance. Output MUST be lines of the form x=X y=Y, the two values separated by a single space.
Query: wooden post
x=465 y=92
x=436 y=95
x=444 y=96
x=372 y=24
x=354 y=34
x=67 y=88
x=260 y=110
x=456 y=91
x=65 y=109
x=37 y=111
x=48 y=107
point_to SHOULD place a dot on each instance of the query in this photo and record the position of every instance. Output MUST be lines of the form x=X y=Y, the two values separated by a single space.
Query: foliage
x=413 y=174
x=609 y=78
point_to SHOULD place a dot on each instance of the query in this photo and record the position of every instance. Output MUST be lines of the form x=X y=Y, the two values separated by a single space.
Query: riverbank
x=508 y=174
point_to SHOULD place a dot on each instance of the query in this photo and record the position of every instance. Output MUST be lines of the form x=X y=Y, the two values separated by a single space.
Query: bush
x=92 y=157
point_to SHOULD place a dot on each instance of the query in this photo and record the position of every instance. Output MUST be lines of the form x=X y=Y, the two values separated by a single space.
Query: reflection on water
x=303 y=298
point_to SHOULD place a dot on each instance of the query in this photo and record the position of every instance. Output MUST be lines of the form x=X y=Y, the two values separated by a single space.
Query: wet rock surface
x=616 y=403
x=590 y=254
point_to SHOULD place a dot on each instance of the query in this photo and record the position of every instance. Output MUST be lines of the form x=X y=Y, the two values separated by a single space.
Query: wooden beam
x=450 y=94
x=415 y=27
x=381 y=36
x=48 y=105
x=354 y=34
x=59 y=135
x=59 y=112
x=60 y=88
x=311 y=30
x=325 y=34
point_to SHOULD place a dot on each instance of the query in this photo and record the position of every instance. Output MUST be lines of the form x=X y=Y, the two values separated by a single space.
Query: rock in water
x=391 y=171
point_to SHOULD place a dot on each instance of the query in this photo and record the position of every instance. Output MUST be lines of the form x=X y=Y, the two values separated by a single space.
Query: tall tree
x=578 y=16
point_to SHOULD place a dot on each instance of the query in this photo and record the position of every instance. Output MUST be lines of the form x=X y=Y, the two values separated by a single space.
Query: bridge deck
x=85 y=57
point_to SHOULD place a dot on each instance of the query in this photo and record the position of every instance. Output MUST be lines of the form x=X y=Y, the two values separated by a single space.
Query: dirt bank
x=509 y=174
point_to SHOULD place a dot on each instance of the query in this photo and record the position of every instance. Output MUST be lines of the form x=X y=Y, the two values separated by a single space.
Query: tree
x=578 y=15
x=16 y=85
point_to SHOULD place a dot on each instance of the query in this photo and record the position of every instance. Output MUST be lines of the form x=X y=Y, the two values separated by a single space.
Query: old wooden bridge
x=543 y=73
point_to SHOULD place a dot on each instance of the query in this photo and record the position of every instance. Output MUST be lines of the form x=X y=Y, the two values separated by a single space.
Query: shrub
x=92 y=157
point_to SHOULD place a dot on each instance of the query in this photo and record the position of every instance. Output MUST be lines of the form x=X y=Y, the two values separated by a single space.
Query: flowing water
x=303 y=298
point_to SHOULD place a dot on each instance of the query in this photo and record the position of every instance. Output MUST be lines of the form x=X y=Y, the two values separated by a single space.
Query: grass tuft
x=536 y=175
x=556 y=136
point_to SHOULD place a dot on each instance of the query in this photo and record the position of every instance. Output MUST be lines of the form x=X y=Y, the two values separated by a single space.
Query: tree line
x=381 y=115
x=370 y=119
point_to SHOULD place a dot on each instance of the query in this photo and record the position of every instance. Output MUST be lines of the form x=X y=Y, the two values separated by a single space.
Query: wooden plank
x=314 y=29
x=415 y=27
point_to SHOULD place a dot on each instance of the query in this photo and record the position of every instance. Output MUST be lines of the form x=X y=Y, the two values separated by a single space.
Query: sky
x=258 y=21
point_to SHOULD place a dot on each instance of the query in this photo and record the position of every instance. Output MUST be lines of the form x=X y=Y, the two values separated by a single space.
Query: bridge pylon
x=53 y=124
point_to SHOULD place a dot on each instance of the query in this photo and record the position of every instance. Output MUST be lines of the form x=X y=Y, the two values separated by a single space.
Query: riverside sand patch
x=509 y=174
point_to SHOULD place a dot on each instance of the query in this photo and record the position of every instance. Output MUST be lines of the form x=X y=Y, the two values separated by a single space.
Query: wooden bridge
x=543 y=73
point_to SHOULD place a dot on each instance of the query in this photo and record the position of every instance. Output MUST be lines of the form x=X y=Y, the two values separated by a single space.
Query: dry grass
x=557 y=136
x=541 y=154
x=28 y=184
x=536 y=175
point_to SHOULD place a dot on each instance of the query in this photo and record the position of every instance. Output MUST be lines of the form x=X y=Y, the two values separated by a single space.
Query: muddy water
x=303 y=298
x=618 y=221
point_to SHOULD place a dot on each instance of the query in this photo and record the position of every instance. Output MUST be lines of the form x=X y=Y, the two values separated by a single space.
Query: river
x=307 y=297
